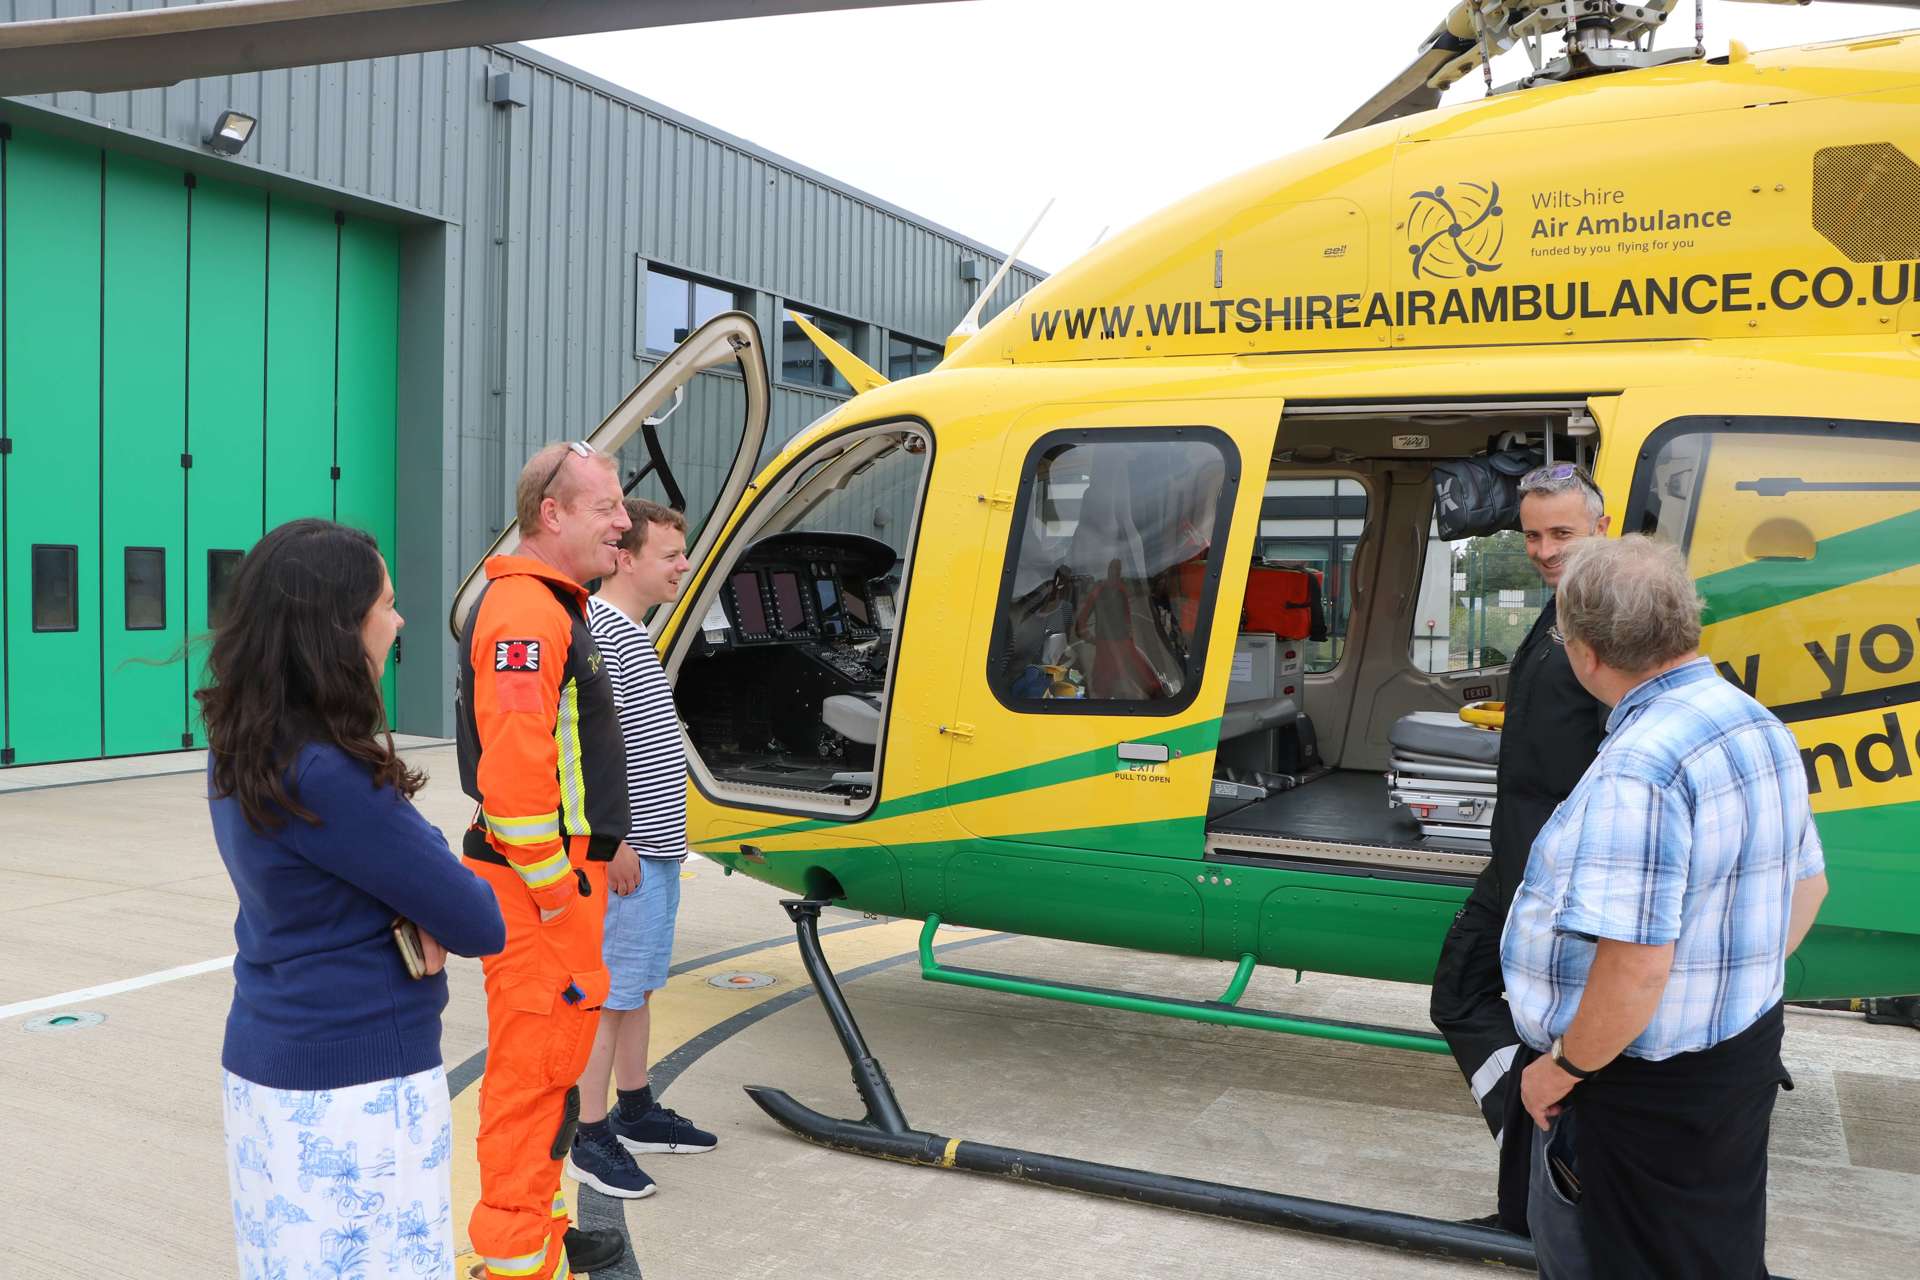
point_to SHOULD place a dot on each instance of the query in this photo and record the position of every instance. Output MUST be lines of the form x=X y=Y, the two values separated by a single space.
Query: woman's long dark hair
x=289 y=667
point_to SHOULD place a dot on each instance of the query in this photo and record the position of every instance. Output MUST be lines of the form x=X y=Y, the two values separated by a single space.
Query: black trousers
x=1673 y=1159
x=1468 y=1004
x=1469 y=1007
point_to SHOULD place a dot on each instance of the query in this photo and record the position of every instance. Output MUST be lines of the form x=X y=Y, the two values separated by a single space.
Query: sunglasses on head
x=578 y=449
x=1557 y=471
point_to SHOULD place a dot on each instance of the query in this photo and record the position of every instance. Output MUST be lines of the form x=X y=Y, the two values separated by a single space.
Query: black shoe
x=594 y=1250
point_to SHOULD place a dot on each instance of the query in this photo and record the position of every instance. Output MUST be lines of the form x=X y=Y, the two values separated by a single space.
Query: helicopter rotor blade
x=1413 y=89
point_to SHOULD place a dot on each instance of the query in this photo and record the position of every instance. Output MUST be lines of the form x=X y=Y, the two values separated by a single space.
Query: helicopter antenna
x=970 y=323
x=1486 y=55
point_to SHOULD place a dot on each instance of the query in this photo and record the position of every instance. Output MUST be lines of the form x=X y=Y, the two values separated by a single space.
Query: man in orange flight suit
x=540 y=750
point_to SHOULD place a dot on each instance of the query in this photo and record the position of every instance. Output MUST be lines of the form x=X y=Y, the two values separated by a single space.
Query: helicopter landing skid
x=884 y=1132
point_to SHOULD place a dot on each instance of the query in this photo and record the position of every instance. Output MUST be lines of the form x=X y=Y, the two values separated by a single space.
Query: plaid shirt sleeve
x=1629 y=873
x=1811 y=858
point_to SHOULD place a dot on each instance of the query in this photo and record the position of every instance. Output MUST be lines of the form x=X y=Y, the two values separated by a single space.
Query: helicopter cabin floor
x=1340 y=816
x=119 y=1167
x=809 y=777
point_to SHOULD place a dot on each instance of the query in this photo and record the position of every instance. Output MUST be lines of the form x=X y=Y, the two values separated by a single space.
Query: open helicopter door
x=687 y=436
x=1097 y=670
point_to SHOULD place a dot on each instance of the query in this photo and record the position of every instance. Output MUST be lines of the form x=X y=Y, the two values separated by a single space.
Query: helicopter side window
x=1800 y=535
x=1107 y=593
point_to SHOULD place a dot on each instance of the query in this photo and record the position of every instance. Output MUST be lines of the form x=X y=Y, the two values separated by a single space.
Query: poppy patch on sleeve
x=516 y=655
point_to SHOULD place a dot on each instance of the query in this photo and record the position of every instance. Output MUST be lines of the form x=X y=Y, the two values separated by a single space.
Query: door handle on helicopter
x=1146 y=752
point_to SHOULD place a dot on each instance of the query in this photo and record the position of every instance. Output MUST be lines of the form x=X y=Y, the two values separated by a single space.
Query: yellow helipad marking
x=686 y=1008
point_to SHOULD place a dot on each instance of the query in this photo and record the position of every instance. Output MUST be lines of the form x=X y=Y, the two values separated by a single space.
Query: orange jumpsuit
x=540 y=750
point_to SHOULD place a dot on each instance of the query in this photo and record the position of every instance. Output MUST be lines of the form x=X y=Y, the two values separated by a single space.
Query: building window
x=1316 y=524
x=905 y=357
x=802 y=363
x=1111 y=572
x=1478 y=599
x=222 y=568
x=677 y=305
x=56 y=588
x=146 y=586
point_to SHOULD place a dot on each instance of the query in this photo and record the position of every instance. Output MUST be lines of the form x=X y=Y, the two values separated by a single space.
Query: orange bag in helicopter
x=1280 y=601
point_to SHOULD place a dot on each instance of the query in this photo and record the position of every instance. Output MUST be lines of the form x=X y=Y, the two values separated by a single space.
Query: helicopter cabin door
x=688 y=437
x=1090 y=698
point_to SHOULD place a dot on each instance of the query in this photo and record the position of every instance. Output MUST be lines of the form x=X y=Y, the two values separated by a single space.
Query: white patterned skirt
x=341 y=1184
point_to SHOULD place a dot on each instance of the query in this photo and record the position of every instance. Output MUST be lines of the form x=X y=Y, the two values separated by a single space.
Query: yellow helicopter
x=1111 y=628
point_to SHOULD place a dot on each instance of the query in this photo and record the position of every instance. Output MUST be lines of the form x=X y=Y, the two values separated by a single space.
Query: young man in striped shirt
x=644 y=876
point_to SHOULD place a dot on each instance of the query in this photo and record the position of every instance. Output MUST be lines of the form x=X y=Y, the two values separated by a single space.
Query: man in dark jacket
x=1552 y=733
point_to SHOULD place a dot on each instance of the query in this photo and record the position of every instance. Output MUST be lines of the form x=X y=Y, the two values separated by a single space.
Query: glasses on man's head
x=578 y=450
x=1557 y=471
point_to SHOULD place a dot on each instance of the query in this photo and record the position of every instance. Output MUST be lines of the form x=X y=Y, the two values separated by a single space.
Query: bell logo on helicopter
x=1455 y=233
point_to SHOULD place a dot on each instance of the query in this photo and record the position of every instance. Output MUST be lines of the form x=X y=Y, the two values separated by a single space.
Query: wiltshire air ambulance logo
x=1455 y=231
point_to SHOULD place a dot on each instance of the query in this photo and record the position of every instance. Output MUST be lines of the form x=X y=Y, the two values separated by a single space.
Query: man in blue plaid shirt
x=1646 y=951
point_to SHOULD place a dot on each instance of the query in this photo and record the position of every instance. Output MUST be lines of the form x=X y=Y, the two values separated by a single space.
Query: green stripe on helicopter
x=1202 y=735
x=1842 y=560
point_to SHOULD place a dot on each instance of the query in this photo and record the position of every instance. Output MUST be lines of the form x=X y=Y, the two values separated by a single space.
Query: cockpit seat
x=854 y=716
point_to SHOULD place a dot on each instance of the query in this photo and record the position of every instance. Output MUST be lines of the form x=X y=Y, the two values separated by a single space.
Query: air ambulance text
x=1887 y=284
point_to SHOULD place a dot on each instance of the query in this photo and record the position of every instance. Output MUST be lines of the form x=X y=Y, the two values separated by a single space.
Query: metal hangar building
x=413 y=272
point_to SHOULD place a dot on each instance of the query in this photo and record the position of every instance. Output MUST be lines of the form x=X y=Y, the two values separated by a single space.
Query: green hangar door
x=184 y=363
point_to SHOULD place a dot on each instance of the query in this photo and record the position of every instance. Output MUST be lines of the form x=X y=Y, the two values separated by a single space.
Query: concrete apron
x=110 y=881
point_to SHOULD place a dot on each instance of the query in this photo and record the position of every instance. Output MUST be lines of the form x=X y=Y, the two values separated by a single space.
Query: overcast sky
x=974 y=114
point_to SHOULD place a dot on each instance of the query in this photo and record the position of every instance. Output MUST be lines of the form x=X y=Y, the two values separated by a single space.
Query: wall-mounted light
x=230 y=132
x=509 y=88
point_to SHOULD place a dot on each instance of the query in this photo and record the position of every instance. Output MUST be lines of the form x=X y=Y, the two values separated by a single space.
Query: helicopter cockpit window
x=784 y=691
x=1799 y=538
x=1109 y=582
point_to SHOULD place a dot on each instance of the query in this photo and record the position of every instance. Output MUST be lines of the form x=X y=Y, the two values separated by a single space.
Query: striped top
x=656 y=752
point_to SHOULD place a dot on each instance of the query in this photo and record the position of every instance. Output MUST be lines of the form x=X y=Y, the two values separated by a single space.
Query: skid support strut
x=885 y=1133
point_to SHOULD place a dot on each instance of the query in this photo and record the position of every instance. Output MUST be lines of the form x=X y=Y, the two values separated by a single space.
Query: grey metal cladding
x=540 y=214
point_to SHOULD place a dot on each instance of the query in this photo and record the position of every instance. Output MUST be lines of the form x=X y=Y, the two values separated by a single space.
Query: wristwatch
x=1559 y=1057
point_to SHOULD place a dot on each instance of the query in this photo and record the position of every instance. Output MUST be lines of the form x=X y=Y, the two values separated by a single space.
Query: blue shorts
x=638 y=946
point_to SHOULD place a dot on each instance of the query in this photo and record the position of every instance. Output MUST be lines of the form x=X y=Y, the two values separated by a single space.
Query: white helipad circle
x=740 y=980
x=71 y=1021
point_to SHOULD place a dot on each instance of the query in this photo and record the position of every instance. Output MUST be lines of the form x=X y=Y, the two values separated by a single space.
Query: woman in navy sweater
x=338 y=1123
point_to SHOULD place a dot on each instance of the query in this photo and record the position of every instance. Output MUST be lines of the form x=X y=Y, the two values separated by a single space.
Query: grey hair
x=1541 y=483
x=1631 y=601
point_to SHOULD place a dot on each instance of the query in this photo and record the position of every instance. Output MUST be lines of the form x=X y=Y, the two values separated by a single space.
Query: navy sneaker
x=660 y=1129
x=599 y=1162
